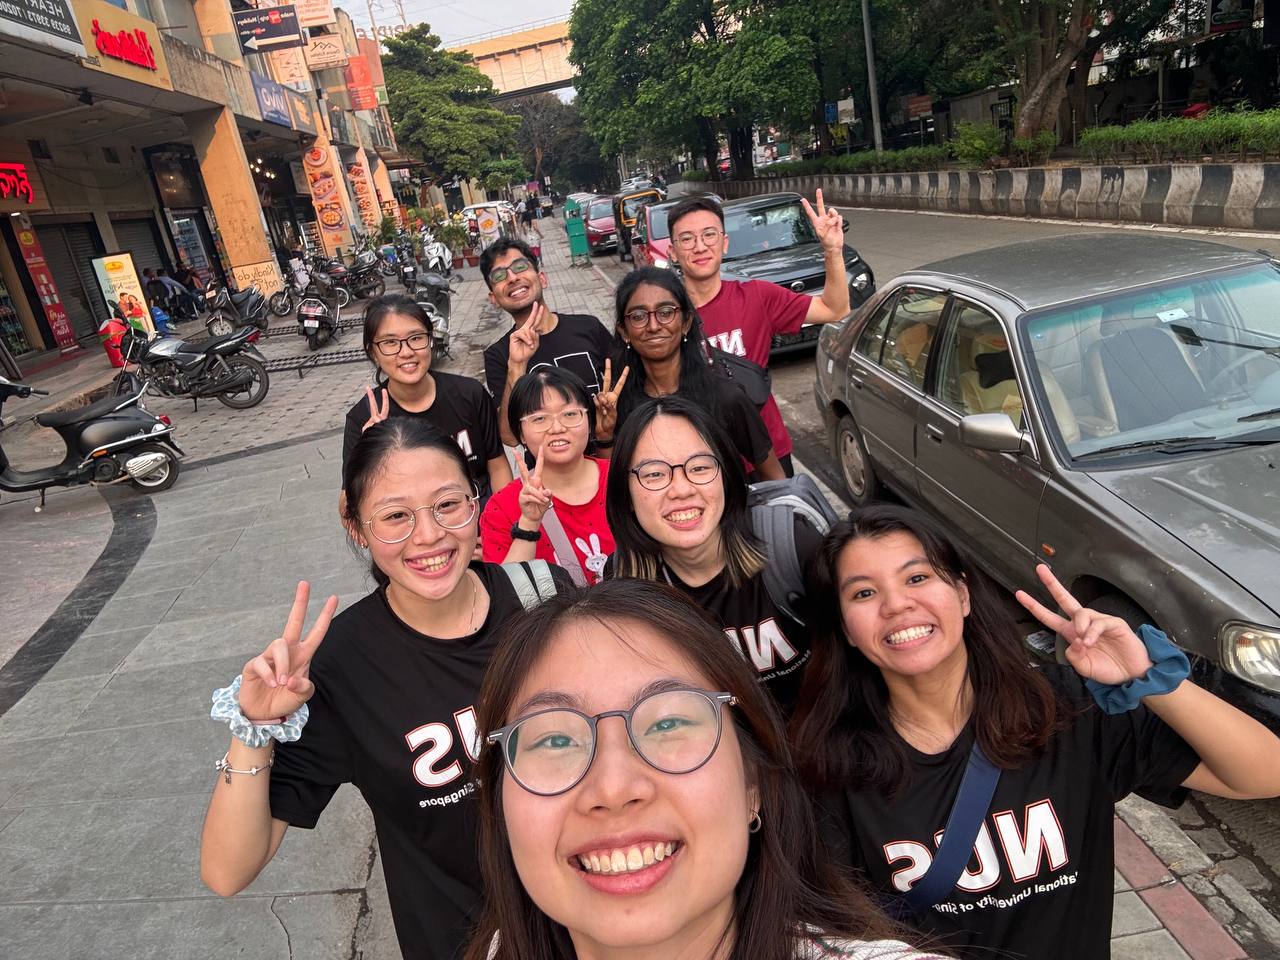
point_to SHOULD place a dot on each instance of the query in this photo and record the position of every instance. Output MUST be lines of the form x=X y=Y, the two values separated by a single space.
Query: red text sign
x=131 y=46
x=14 y=182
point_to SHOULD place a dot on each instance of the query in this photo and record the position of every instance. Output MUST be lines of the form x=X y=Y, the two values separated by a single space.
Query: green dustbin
x=576 y=231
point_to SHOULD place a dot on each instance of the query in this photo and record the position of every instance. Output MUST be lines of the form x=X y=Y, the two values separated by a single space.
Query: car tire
x=1113 y=605
x=855 y=466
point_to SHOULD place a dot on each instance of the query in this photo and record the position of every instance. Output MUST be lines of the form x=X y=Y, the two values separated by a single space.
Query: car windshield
x=1145 y=370
x=658 y=224
x=602 y=208
x=755 y=230
x=631 y=205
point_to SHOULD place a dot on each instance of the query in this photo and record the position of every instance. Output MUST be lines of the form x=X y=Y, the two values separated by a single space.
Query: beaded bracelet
x=255 y=733
x=226 y=769
x=1169 y=667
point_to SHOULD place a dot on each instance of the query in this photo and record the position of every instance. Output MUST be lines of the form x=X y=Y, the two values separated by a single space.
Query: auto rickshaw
x=625 y=207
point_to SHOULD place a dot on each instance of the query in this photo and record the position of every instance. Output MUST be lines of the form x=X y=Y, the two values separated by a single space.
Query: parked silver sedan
x=1106 y=403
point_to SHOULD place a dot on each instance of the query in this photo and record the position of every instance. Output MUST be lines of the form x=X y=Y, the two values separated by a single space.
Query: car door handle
x=856 y=381
x=934 y=431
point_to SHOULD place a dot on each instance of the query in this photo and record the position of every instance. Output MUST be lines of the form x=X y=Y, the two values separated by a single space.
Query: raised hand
x=535 y=499
x=607 y=402
x=1099 y=646
x=523 y=343
x=827 y=224
x=377 y=413
x=275 y=683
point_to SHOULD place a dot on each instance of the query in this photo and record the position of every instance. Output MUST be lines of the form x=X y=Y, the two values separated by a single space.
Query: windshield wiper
x=1260 y=415
x=1162 y=444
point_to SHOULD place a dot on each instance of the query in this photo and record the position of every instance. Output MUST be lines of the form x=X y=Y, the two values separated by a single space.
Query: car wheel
x=855 y=466
x=1114 y=605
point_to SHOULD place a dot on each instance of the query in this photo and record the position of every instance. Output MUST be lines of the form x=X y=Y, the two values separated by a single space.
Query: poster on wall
x=122 y=289
x=360 y=85
x=290 y=68
x=366 y=202
x=314 y=13
x=322 y=175
x=54 y=312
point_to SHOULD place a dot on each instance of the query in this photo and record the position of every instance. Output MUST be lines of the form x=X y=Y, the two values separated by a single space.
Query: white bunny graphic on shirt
x=595 y=558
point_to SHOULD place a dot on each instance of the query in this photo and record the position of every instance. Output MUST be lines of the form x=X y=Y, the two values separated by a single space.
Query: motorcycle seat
x=228 y=339
x=431 y=279
x=239 y=298
x=99 y=408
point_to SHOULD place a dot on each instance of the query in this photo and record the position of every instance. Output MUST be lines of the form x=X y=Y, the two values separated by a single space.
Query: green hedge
x=1220 y=133
x=695 y=175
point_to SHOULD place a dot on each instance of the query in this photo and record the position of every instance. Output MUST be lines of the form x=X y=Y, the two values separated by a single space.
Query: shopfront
x=186 y=210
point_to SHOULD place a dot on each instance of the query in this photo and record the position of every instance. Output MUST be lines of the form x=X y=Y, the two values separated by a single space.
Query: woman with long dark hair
x=637 y=800
x=665 y=354
x=397 y=341
x=919 y=683
x=677 y=507
x=381 y=697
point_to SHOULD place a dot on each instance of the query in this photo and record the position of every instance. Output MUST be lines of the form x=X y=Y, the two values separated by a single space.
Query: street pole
x=871 y=76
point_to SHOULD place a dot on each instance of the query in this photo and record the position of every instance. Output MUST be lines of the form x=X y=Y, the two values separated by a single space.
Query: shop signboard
x=21 y=189
x=121 y=288
x=362 y=187
x=919 y=106
x=46 y=289
x=360 y=85
x=1224 y=15
x=268 y=28
x=272 y=101
x=326 y=50
x=290 y=68
x=323 y=172
x=122 y=44
x=299 y=175
x=303 y=112
x=47 y=22
x=315 y=13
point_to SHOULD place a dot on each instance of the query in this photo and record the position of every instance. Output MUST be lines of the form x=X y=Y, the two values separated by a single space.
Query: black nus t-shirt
x=461 y=410
x=579 y=343
x=393 y=714
x=1039 y=883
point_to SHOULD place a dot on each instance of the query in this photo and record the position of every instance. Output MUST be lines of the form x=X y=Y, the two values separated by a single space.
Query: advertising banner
x=303 y=112
x=323 y=172
x=268 y=28
x=362 y=187
x=1224 y=15
x=121 y=44
x=272 y=101
x=326 y=51
x=47 y=22
x=360 y=85
x=42 y=277
x=122 y=289
x=290 y=67
x=315 y=13
x=369 y=50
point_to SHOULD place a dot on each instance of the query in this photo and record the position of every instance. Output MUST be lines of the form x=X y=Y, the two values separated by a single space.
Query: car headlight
x=861 y=281
x=660 y=262
x=1251 y=653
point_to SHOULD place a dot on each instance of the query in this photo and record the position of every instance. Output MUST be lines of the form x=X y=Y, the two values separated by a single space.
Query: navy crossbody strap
x=972 y=802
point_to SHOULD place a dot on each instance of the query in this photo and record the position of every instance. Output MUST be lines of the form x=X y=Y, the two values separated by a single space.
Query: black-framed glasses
x=657 y=474
x=519 y=265
x=394 y=523
x=390 y=346
x=665 y=315
x=709 y=236
x=674 y=731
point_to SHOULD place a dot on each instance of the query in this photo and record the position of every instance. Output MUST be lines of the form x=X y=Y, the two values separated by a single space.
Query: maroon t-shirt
x=742 y=319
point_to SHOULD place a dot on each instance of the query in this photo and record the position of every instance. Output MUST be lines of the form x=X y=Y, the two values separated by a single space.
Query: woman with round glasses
x=397 y=340
x=677 y=506
x=555 y=511
x=637 y=800
x=664 y=354
x=381 y=697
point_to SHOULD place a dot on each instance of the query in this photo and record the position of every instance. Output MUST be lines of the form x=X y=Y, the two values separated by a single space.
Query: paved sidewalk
x=130 y=609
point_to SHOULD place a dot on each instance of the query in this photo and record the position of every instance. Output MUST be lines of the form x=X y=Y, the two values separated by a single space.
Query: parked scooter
x=407 y=268
x=303 y=283
x=318 y=322
x=113 y=440
x=365 y=280
x=436 y=255
x=230 y=310
x=229 y=368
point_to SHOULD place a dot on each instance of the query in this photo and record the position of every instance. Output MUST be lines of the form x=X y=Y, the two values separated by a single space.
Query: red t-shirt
x=742 y=319
x=584 y=524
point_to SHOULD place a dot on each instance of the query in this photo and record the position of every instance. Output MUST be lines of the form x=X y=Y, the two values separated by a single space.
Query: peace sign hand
x=827 y=224
x=535 y=499
x=275 y=683
x=1099 y=646
x=607 y=402
x=523 y=343
x=377 y=413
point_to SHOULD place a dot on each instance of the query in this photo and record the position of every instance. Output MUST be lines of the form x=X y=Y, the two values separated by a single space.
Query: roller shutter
x=139 y=238
x=69 y=250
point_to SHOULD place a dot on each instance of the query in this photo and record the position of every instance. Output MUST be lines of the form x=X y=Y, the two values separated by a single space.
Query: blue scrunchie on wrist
x=1169 y=667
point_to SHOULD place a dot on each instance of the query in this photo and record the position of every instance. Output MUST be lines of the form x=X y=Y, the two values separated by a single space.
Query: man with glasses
x=743 y=316
x=538 y=337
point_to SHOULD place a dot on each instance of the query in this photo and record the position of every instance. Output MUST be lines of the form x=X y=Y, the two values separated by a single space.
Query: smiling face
x=702 y=262
x=623 y=811
x=654 y=340
x=898 y=610
x=433 y=560
x=683 y=515
x=517 y=292
x=560 y=445
x=406 y=366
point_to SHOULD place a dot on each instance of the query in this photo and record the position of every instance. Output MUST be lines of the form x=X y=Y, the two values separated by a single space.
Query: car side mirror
x=991 y=431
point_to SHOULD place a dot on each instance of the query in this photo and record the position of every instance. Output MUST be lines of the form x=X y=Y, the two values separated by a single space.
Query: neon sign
x=131 y=47
x=14 y=182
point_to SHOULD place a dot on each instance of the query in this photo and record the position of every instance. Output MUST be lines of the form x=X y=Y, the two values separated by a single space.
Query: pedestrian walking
x=380 y=696
x=637 y=799
x=920 y=713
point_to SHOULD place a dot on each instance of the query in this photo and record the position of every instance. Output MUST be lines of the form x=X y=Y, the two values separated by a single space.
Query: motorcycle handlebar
x=39 y=393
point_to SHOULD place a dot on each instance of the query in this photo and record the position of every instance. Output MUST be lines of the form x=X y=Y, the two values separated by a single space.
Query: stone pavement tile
x=1134 y=859
x=51 y=708
x=226 y=496
x=268 y=587
x=100 y=653
x=1119 y=884
x=1131 y=915
x=1156 y=945
x=216 y=519
x=1163 y=836
x=166 y=551
x=7 y=816
x=321 y=490
x=135 y=698
x=121 y=613
x=1191 y=924
x=321 y=925
x=20 y=761
x=204 y=480
x=154 y=578
x=272 y=530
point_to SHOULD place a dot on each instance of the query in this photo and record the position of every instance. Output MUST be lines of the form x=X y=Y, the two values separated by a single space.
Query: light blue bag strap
x=531 y=580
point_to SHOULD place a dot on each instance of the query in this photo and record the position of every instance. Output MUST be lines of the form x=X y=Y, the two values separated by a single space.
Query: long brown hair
x=842 y=731
x=786 y=885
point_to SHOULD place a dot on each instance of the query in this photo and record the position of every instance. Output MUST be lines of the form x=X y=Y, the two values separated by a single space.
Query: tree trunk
x=740 y=152
x=1045 y=92
x=710 y=146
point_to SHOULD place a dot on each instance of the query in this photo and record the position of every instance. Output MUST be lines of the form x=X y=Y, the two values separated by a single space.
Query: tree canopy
x=553 y=142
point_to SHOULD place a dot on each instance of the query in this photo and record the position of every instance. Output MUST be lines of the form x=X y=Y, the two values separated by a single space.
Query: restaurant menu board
x=322 y=175
x=366 y=201
x=122 y=289
x=42 y=277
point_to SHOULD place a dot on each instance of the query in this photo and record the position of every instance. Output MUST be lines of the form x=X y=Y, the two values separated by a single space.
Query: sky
x=455 y=20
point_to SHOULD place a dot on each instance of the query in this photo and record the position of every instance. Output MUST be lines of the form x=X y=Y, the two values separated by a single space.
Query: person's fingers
x=373 y=403
x=278 y=653
x=537 y=465
x=1082 y=620
x=608 y=376
x=808 y=209
x=1061 y=595
x=524 y=471
x=822 y=209
x=318 y=629
x=385 y=410
x=617 y=387
x=298 y=614
x=1042 y=613
x=302 y=686
x=260 y=668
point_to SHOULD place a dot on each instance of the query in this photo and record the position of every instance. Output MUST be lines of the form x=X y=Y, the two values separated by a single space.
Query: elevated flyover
x=534 y=59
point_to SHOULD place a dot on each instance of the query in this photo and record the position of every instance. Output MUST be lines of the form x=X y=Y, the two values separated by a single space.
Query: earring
x=755 y=823
x=685 y=338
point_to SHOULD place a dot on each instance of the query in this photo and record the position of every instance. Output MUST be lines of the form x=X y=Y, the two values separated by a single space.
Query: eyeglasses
x=665 y=314
x=674 y=731
x=498 y=274
x=687 y=241
x=390 y=346
x=395 y=523
x=657 y=474
x=568 y=419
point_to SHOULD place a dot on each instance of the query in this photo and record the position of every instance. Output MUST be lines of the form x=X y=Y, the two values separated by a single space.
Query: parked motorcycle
x=110 y=441
x=407 y=269
x=229 y=310
x=365 y=280
x=229 y=368
x=436 y=255
x=318 y=322
x=303 y=283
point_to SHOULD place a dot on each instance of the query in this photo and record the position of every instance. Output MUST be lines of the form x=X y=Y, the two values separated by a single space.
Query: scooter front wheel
x=281 y=303
x=220 y=324
x=162 y=478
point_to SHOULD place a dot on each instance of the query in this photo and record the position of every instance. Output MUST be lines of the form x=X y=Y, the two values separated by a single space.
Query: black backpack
x=776 y=506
